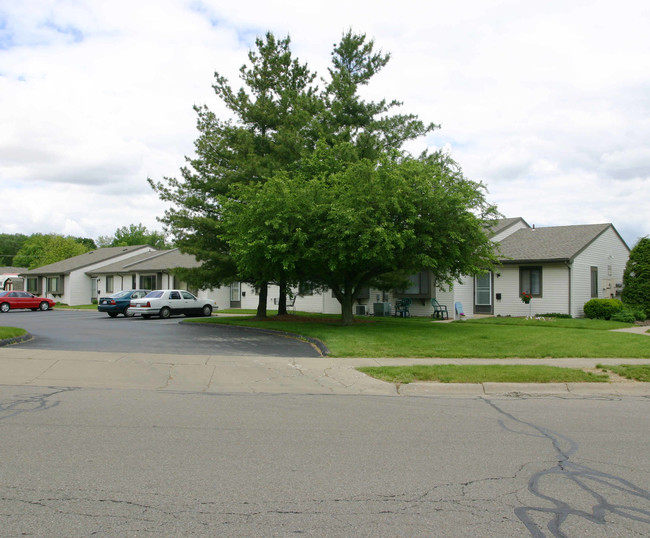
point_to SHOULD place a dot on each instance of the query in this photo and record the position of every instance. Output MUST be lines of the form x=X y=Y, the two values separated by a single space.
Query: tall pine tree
x=270 y=130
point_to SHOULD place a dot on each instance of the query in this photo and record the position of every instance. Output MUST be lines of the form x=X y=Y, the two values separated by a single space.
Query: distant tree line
x=36 y=250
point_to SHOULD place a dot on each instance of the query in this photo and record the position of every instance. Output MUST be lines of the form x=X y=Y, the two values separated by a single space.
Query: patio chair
x=402 y=308
x=439 y=310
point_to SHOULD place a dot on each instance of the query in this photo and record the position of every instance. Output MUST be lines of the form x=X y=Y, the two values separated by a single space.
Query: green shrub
x=634 y=313
x=625 y=316
x=636 y=278
x=602 y=308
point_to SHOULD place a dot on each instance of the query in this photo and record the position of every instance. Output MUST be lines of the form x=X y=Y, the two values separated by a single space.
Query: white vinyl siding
x=609 y=255
x=555 y=291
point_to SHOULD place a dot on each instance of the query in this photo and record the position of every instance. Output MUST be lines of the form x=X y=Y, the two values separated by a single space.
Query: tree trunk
x=347 y=318
x=282 y=300
x=261 y=305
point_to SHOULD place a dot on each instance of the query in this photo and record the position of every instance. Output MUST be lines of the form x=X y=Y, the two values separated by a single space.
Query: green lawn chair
x=402 y=308
x=439 y=310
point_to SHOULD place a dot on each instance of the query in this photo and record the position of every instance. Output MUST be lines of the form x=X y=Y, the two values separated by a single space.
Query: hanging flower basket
x=526 y=297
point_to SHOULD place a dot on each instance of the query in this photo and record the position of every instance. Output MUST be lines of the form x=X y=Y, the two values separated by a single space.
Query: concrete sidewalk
x=258 y=374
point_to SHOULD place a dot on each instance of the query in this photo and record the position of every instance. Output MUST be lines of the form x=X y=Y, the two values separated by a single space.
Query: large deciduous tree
x=364 y=224
x=270 y=129
x=636 y=277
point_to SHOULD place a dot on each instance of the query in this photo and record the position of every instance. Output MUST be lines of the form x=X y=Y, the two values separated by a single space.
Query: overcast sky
x=547 y=103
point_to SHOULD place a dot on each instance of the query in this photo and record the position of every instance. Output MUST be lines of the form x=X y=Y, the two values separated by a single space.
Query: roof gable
x=503 y=224
x=555 y=243
x=92 y=257
x=156 y=260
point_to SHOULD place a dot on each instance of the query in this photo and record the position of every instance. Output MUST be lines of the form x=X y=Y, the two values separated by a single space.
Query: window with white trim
x=530 y=280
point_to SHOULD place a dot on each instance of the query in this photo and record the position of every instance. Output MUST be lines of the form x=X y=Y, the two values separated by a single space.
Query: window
x=305 y=288
x=148 y=282
x=418 y=288
x=594 y=282
x=175 y=295
x=530 y=280
x=188 y=295
x=109 y=284
x=32 y=284
x=54 y=285
x=133 y=282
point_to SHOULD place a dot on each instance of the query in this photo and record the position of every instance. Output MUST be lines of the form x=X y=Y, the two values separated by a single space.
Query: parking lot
x=93 y=331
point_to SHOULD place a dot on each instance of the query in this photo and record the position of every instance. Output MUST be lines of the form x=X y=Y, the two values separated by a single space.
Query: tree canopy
x=636 y=277
x=134 y=234
x=10 y=244
x=43 y=249
x=270 y=129
x=315 y=186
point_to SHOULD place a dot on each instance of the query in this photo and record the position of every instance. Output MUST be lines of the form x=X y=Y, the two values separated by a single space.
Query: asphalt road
x=94 y=331
x=82 y=462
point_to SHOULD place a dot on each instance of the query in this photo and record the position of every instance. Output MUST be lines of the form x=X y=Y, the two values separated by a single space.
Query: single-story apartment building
x=562 y=267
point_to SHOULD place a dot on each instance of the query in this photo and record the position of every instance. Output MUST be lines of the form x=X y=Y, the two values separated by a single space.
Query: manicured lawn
x=486 y=338
x=492 y=373
x=11 y=332
x=76 y=307
x=639 y=372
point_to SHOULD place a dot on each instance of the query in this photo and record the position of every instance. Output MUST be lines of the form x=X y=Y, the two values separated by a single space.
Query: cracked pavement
x=111 y=462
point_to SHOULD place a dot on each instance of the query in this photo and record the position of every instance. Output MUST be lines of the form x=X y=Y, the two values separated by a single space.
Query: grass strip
x=420 y=337
x=638 y=372
x=63 y=306
x=11 y=332
x=487 y=373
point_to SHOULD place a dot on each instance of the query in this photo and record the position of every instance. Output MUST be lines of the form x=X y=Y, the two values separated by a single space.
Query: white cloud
x=546 y=103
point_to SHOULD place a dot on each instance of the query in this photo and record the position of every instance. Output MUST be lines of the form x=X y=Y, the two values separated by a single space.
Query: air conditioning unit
x=361 y=310
x=381 y=309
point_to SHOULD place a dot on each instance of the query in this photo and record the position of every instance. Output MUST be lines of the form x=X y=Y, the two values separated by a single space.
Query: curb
x=16 y=340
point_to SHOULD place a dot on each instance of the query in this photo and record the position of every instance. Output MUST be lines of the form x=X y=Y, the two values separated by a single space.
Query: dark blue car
x=119 y=302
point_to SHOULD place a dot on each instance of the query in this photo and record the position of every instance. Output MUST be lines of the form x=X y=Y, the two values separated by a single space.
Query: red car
x=10 y=300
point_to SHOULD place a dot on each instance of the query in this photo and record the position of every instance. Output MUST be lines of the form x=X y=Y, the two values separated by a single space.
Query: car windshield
x=154 y=294
x=4 y=293
x=120 y=294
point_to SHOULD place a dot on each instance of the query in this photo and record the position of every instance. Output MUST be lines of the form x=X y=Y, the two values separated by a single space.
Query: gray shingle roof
x=555 y=243
x=153 y=261
x=64 y=267
x=502 y=224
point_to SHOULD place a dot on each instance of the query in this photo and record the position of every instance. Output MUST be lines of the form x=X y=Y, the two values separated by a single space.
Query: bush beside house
x=636 y=278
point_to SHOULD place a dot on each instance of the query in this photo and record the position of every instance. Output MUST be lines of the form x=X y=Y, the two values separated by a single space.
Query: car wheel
x=44 y=306
x=4 y=307
x=128 y=313
x=207 y=310
x=165 y=312
x=112 y=314
x=146 y=316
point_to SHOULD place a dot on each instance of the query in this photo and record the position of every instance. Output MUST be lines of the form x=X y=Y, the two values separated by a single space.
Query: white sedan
x=165 y=303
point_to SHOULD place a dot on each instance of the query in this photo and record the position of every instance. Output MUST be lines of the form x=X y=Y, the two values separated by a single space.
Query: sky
x=547 y=103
